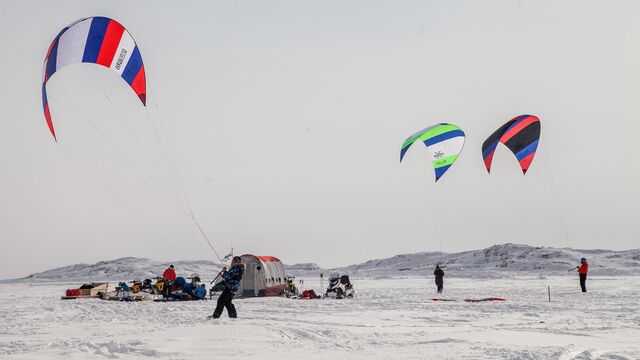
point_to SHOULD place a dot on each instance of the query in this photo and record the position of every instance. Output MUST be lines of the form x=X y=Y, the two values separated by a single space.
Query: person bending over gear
x=583 y=269
x=231 y=279
x=439 y=274
x=169 y=276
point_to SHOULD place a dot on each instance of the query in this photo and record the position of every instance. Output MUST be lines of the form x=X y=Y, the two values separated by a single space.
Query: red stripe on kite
x=47 y=115
x=139 y=85
x=526 y=161
x=110 y=43
x=488 y=160
x=516 y=129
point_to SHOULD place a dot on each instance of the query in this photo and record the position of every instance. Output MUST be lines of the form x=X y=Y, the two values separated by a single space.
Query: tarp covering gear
x=95 y=40
x=443 y=141
x=92 y=290
x=521 y=135
x=309 y=294
x=146 y=290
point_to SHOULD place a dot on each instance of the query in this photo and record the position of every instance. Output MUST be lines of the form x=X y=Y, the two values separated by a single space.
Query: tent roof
x=264 y=258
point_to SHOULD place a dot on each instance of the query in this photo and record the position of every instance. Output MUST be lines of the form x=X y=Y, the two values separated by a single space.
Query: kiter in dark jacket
x=231 y=278
x=439 y=274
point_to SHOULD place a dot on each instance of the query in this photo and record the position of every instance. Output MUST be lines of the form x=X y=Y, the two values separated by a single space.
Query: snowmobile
x=147 y=286
x=340 y=287
x=291 y=291
x=136 y=286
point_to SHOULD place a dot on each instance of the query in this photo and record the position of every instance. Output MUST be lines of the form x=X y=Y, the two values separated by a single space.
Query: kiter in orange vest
x=169 y=276
x=583 y=269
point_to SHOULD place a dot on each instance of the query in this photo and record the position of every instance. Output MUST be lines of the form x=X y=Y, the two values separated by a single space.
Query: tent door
x=248 y=281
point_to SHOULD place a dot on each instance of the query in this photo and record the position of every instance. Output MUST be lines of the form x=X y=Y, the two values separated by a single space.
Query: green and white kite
x=444 y=142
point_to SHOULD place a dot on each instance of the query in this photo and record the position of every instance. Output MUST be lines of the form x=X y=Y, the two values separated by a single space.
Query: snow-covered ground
x=391 y=318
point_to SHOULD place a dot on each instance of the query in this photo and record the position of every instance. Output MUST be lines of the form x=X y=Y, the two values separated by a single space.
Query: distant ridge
x=122 y=269
x=498 y=260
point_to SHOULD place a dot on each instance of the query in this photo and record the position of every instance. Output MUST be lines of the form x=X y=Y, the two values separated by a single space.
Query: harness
x=237 y=277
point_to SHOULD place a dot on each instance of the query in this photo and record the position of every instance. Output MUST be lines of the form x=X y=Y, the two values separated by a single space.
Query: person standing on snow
x=583 y=269
x=168 y=276
x=439 y=274
x=231 y=279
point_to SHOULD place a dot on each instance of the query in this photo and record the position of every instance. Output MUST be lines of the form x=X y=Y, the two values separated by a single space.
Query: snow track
x=390 y=319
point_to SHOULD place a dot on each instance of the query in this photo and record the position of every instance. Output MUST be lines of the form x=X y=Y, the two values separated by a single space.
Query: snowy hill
x=127 y=268
x=497 y=260
x=305 y=270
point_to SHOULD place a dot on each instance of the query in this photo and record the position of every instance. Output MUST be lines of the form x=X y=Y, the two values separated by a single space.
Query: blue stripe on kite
x=133 y=66
x=518 y=121
x=51 y=62
x=403 y=151
x=490 y=149
x=441 y=170
x=44 y=97
x=62 y=32
x=526 y=151
x=442 y=137
x=94 y=39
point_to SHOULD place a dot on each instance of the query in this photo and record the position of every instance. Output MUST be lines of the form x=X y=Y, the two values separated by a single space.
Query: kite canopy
x=521 y=135
x=96 y=40
x=444 y=142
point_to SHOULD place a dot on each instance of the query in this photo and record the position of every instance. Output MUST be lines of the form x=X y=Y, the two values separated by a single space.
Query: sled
x=485 y=299
x=472 y=300
x=130 y=296
x=86 y=291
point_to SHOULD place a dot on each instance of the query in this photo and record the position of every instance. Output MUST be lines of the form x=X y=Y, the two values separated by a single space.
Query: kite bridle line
x=191 y=215
x=550 y=184
x=182 y=202
x=115 y=195
x=174 y=169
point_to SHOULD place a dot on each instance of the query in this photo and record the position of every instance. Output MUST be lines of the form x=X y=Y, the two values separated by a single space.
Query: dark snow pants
x=224 y=301
x=166 y=288
x=583 y=282
x=440 y=287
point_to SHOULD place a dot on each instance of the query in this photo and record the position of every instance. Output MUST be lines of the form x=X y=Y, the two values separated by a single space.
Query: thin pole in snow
x=549 y=291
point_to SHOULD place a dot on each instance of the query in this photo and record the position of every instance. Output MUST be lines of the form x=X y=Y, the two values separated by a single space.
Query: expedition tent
x=264 y=276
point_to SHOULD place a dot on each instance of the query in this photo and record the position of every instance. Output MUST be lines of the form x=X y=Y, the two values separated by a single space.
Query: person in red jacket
x=583 y=269
x=169 y=276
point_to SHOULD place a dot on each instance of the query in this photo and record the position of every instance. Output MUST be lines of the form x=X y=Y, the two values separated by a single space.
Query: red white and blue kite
x=521 y=135
x=95 y=40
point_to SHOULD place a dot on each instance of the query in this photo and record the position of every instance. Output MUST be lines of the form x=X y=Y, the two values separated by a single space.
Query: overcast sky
x=286 y=119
